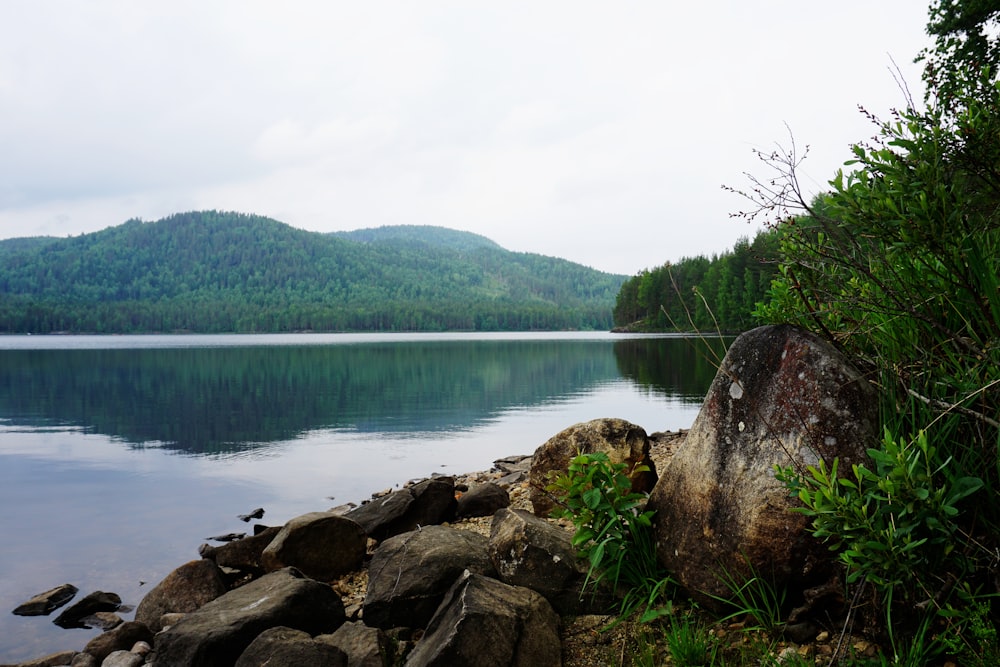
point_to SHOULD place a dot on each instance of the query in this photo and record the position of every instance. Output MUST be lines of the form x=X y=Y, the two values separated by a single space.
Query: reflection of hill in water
x=679 y=367
x=211 y=400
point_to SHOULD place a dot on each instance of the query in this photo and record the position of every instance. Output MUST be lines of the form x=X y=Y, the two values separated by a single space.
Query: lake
x=120 y=455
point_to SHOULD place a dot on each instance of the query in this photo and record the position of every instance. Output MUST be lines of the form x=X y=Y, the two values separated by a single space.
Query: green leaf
x=597 y=555
x=592 y=498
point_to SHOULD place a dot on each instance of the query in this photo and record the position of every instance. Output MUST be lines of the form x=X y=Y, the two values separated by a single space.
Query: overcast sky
x=601 y=132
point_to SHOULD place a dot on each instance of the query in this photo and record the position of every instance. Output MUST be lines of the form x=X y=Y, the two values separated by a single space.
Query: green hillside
x=228 y=272
x=420 y=236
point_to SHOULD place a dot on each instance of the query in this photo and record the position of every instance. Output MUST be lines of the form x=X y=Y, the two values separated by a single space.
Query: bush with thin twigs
x=899 y=265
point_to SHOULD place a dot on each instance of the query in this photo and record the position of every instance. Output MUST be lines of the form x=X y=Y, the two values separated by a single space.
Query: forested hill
x=425 y=236
x=228 y=272
x=718 y=293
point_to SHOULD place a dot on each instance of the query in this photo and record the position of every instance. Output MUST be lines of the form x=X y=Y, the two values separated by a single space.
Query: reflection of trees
x=204 y=400
x=223 y=399
x=678 y=367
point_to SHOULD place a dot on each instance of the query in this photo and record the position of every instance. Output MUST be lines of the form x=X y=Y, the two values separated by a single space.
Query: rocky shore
x=455 y=518
x=469 y=569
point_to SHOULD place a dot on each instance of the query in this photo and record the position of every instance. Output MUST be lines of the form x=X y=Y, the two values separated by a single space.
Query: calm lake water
x=120 y=455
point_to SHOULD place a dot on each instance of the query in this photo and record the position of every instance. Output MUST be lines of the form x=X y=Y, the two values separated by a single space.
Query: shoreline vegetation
x=897 y=264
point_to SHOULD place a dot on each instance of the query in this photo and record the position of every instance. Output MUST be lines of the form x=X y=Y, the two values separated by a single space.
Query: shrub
x=612 y=532
x=898 y=264
x=894 y=526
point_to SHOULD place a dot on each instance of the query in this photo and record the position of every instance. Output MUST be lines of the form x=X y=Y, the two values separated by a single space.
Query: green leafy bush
x=612 y=532
x=898 y=264
x=895 y=527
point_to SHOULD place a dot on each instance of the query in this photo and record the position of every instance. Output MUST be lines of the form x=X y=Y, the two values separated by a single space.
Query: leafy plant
x=973 y=637
x=612 y=532
x=893 y=526
x=897 y=264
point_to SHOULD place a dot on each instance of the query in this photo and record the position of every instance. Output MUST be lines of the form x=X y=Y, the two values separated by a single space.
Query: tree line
x=712 y=294
x=213 y=271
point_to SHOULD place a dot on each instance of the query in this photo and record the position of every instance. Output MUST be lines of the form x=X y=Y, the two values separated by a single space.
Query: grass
x=690 y=643
x=755 y=598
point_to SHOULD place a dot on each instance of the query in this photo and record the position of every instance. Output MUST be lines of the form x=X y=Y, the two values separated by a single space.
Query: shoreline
x=509 y=472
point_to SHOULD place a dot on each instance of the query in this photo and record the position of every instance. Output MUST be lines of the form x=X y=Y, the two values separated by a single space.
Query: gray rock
x=227 y=537
x=217 y=633
x=185 y=589
x=123 y=659
x=410 y=573
x=170 y=618
x=45 y=603
x=51 y=660
x=427 y=503
x=533 y=553
x=481 y=500
x=485 y=622
x=84 y=660
x=322 y=545
x=253 y=514
x=287 y=646
x=364 y=646
x=142 y=647
x=102 y=620
x=243 y=555
x=513 y=478
x=88 y=605
x=512 y=464
x=782 y=397
x=622 y=441
x=121 y=638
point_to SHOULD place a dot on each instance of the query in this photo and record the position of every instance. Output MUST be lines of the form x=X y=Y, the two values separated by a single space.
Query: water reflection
x=291 y=427
x=227 y=399
x=680 y=368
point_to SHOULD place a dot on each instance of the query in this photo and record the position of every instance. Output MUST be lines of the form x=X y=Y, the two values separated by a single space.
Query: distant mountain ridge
x=421 y=234
x=212 y=271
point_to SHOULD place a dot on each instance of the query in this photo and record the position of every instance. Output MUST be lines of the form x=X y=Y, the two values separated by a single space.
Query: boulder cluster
x=439 y=592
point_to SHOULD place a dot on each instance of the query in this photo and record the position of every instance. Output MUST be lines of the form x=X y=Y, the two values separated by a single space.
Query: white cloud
x=600 y=133
x=291 y=141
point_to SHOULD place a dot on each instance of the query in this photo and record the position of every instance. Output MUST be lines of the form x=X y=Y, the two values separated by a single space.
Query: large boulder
x=781 y=397
x=485 y=622
x=622 y=441
x=410 y=573
x=322 y=545
x=533 y=553
x=219 y=632
x=287 y=646
x=185 y=589
x=427 y=503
